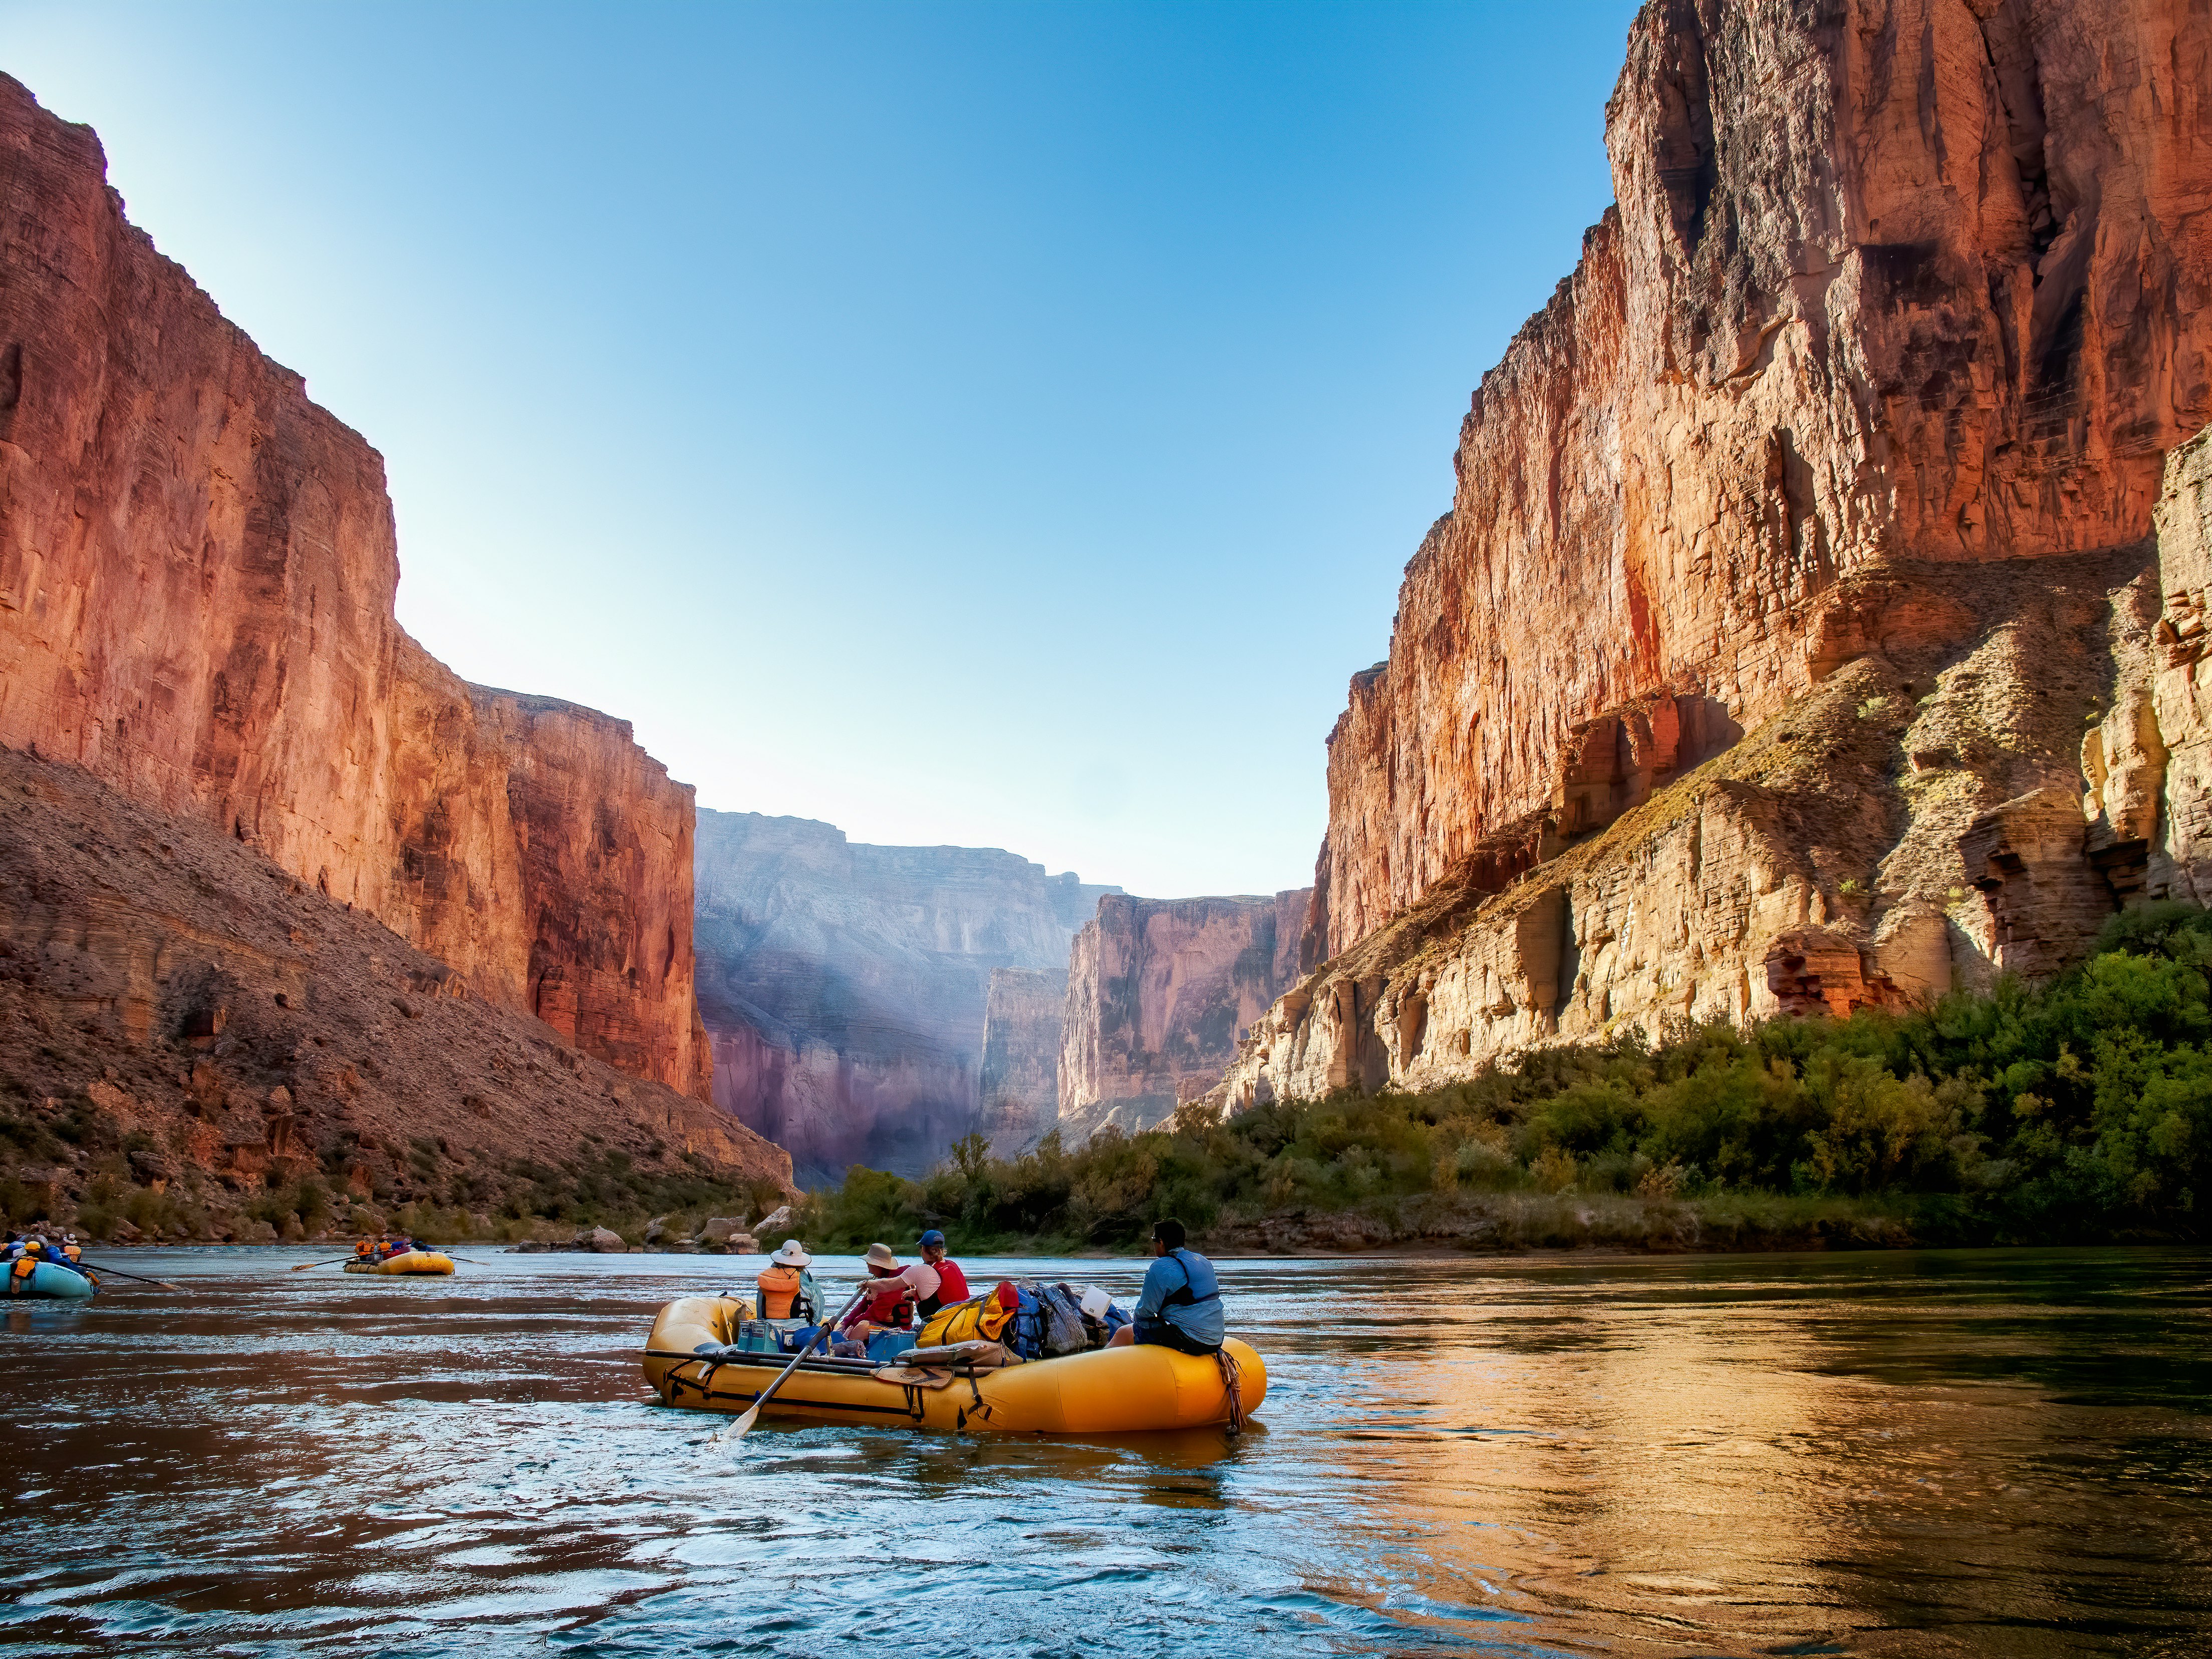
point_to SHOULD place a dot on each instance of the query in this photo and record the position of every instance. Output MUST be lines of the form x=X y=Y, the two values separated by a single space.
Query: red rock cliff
x=197 y=574
x=1799 y=640
x=1890 y=284
x=1159 y=993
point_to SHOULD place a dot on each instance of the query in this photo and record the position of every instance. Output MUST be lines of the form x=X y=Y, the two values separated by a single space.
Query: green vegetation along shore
x=2076 y=1111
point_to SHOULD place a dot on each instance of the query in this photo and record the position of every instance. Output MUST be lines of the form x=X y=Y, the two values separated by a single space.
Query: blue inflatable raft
x=49 y=1279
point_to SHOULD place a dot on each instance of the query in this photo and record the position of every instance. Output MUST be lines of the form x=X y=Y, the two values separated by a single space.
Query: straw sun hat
x=879 y=1255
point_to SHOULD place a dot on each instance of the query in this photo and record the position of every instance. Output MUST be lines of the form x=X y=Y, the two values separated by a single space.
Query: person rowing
x=893 y=1292
x=952 y=1283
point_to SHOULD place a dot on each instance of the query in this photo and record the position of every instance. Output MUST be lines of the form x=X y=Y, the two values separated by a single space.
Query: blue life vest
x=1199 y=1284
x=1193 y=1307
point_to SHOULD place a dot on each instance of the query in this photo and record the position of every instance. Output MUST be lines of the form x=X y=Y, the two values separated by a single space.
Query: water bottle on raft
x=914 y=1347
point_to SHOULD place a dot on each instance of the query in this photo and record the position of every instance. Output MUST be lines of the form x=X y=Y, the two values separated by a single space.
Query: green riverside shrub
x=2073 y=1111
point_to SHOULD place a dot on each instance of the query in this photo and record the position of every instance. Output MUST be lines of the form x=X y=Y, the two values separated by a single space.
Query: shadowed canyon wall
x=1159 y=993
x=179 y=1013
x=845 y=987
x=197 y=574
x=1795 y=545
x=1020 y=1080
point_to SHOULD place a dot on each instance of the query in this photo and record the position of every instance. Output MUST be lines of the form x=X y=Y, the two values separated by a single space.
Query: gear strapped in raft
x=1126 y=1390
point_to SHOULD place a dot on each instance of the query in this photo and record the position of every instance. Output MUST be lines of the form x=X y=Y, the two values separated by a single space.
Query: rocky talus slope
x=1159 y=993
x=846 y=986
x=182 y=1018
x=198 y=567
x=1796 y=546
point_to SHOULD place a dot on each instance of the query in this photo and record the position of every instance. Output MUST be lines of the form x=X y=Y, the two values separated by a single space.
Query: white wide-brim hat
x=793 y=1254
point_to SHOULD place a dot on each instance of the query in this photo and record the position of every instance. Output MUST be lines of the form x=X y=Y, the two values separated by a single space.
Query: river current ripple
x=1993 y=1452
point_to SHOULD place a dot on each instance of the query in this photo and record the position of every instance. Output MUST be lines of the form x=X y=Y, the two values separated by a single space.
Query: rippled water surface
x=1988 y=1453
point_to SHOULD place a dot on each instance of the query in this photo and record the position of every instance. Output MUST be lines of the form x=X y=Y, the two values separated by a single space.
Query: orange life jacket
x=779 y=1291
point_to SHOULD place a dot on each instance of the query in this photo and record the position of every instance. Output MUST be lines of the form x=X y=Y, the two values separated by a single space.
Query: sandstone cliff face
x=1019 y=1082
x=845 y=986
x=1850 y=434
x=228 y=1032
x=1889 y=282
x=197 y=574
x=1159 y=993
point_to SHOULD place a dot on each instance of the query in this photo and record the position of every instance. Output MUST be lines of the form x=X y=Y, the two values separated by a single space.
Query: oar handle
x=119 y=1273
x=765 y=1395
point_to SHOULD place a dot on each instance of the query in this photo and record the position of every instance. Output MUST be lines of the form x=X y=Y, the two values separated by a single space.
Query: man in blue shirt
x=1181 y=1307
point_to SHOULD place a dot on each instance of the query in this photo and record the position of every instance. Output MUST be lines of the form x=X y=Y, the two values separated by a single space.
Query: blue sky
x=1002 y=425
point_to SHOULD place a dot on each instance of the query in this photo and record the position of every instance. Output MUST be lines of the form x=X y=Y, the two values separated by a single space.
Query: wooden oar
x=737 y=1429
x=140 y=1278
x=332 y=1263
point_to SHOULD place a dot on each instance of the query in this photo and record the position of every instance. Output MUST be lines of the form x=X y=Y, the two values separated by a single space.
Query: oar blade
x=738 y=1430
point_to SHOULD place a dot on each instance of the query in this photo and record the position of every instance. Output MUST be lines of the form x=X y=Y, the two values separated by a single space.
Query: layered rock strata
x=1889 y=283
x=1159 y=991
x=845 y=987
x=1848 y=432
x=198 y=567
x=1020 y=1083
x=182 y=1016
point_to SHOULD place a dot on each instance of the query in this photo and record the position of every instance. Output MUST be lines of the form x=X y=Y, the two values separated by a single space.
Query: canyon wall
x=198 y=567
x=1019 y=1081
x=192 y=1038
x=1795 y=545
x=845 y=988
x=1159 y=993
x=1889 y=282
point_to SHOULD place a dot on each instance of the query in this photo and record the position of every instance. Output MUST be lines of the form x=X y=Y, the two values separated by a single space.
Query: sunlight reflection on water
x=1925 y=1454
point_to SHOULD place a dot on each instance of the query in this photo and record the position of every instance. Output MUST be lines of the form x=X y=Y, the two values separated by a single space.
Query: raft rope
x=1233 y=1379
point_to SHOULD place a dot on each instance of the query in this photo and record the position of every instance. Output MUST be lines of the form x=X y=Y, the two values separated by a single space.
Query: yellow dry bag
x=978 y=1318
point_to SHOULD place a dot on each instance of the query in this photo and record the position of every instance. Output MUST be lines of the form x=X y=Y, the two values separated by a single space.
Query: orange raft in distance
x=1132 y=1390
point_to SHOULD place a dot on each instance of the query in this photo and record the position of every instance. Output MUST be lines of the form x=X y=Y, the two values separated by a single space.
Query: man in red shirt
x=952 y=1283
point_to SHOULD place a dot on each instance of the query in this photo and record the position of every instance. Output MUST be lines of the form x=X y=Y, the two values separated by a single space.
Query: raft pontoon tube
x=1132 y=1390
x=409 y=1262
x=49 y=1279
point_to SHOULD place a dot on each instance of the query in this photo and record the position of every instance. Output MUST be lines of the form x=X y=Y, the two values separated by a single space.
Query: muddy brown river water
x=1991 y=1452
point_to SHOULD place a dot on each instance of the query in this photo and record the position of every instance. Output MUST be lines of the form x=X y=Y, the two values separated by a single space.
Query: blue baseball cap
x=932 y=1236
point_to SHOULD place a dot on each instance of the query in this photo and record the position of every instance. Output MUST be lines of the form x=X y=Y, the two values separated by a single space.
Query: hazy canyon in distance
x=871 y=1005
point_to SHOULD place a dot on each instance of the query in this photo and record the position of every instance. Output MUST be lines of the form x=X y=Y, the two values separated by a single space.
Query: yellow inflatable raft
x=1106 y=1391
x=409 y=1262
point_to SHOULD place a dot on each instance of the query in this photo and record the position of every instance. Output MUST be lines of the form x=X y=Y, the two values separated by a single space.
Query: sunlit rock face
x=1888 y=284
x=1159 y=993
x=845 y=988
x=1797 y=545
x=197 y=572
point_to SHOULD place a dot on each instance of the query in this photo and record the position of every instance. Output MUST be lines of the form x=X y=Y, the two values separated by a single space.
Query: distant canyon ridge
x=869 y=1004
